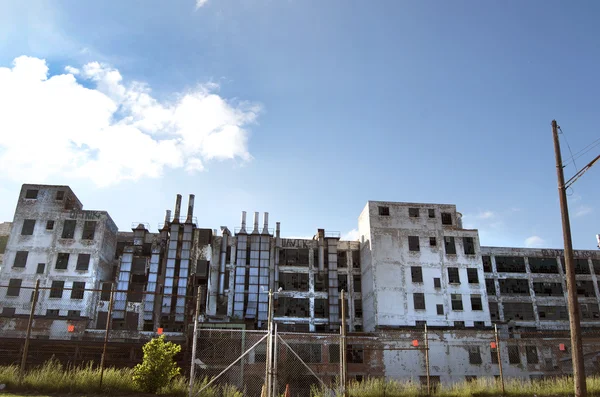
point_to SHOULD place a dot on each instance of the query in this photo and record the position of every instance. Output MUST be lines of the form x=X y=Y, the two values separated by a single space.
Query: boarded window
x=89 y=230
x=78 y=290
x=357 y=283
x=487 y=263
x=69 y=228
x=474 y=355
x=40 y=268
x=31 y=194
x=543 y=265
x=514 y=357
x=83 y=262
x=49 y=225
x=472 y=276
x=512 y=286
x=14 y=287
x=440 y=309
x=57 y=289
x=413 y=243
x=446 y=218
x=334 y=353
x=532 y=355
x=28 y=226
x=449 y=245
x=60 y=195
x=105 y=293
x=431 y=212
x=413 y=212
x=476 y=302
x=469 y=245
x=510 y=264
x=432 y=241
x=419 y=301
x=20 y=259
x=453 y=277
x=437 y=282
x=384 y=211
x=490 y=286
x=457 y=303
x=62 y=260
x=355 y=354
x=416 y=274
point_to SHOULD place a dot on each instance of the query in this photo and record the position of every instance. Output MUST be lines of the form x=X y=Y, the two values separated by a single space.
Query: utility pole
x=575 y=326
x=343 y=345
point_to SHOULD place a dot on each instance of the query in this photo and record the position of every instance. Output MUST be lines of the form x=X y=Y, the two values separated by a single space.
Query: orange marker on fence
x=70 y=328
x=562 y=347
x=493 y=345
x=415 y=343
x=159 y=331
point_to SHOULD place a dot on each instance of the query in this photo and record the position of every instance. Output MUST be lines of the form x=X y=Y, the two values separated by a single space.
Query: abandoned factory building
x=413 y=265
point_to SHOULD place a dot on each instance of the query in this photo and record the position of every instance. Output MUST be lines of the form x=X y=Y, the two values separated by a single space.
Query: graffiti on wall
x=81 y=214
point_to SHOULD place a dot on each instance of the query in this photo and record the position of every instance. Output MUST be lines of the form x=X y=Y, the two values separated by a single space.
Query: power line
x=569 y=146
x=586 y=151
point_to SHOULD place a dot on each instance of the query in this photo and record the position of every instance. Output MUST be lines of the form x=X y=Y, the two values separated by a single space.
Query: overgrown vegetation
x=158 y=367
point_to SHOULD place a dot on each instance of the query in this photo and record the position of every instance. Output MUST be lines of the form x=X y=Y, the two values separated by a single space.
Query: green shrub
x=158 y=367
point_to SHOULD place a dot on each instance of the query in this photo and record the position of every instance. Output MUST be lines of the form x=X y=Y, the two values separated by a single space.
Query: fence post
x=267 y=386
x=29 y=325
x=194 y=341
x=499 y=357
x=108 y=321
x=274 y=371
x=427 y=360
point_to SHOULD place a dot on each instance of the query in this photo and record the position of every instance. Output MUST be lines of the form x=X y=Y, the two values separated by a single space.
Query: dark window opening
x=457 y=303
x=358 y=308
x=453 y=277
x=437 y=282
x=105 y=293
x=494 y=312
x=355 y=354
x=472 y=276
x=356 y=259
x=69 y=228
x=8 y=311
x=89 y=230
x=62 y=260
x=416 y=274
x=494 y=356
x=514 y=286
x=419 y=301
x=294 y=281
x=420 y=323
x=21 y=258
x=548 y=289
x=586 y=288
x=479 y=324
x=14 y=287
x=57 y=288
x=40 y=268
x=469 y=245
x=596 y=265
x=413 y=243
x=52 y=313
x=514 y=357
x=474 y=355
x=292 y=307
x=74 y=314
x=510 y=264
x=446 y=218
x=432 y=241
x=101 y=320
x=49 y=225
x=589 y=311
x=532 y=355
x=553 y=313
x=490 y=286
x=31 y=194
x=334 y=354
x=309 y=353
x=78 y=290
x=342 y=282
x=357 y=283
x=60 y=195
x=543 y=265
x=384 y=211
x=518 y=311
x=440 y=309
x=459 y=324
x=321 y=282
x=28 y=226
x=449 y=245
x=476 y=302
x=487 y=263
x=431 y=212
x=83 y=262
x=321 y=308
x=342 y=259
x=413 y=212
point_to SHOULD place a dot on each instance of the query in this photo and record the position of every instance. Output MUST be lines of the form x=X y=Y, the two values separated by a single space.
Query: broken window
x=553 y=313
x=334 y=354
x=355 y=354
x=78 y=290
x=510 y=264
x=321 y=282
x=357 y=283
x=49 y=225
x=292 y=307
x=358 y=308
x=419 y=301
x=321 y=308
x=437 y=282
x=52 y=313
x=60 y=195
x=474 y=355
x=440 y=309
x=446 y=218
x=589 y=311
x=293 y=281
x=28 y=226
x=472 y=276
x=457 y=303
x=487 y=263
x=547 y=289
x=105 y=292
x=384 y=211
x=490 y=286
x=303 y=254
x=453 y=277
x=413 y=243
x=40 y=268
x=416 y=274
x=518 y=311
x=31 y=194
x=469 y=245
x=69 y=228
x=543 y=265
x=431 y=212
x=356 y=259
x=89 y=229
x=308 y=352
x=14 y=287
x=432 y=241
x=83 y=262
x=20 y=259
x=582 y=266
x=62 y=260
x=514 y=357
x=532 y=355
x=514 y=286
x=342 y=259
x=585 y=288
x=476 y=302
x=413 y=212
x=56 y=290
x=449 y=245
x=494 y=313
x=342 y=282
x=289 y=257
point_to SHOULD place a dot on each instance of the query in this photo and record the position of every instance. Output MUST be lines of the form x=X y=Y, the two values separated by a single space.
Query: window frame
x=28 y=227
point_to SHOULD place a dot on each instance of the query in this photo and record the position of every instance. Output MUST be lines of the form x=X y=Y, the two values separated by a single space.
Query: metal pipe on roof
x=190 y=213
x=177 y=208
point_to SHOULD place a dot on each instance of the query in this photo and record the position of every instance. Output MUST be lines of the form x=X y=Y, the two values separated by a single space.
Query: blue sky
x=314 y=107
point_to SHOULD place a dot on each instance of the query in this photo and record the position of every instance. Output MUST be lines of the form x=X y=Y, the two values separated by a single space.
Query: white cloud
x=71 y=69
x=534 y=242
x=54 y=127
x=352 y=235
x=201 y=3
x=485 y=215
x=582 y=210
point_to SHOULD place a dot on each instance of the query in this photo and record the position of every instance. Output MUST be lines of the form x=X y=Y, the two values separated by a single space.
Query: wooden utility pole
x=343 y=348
x=195 y=342
x=499 y=357
x=575 y=326
x=36 y=292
